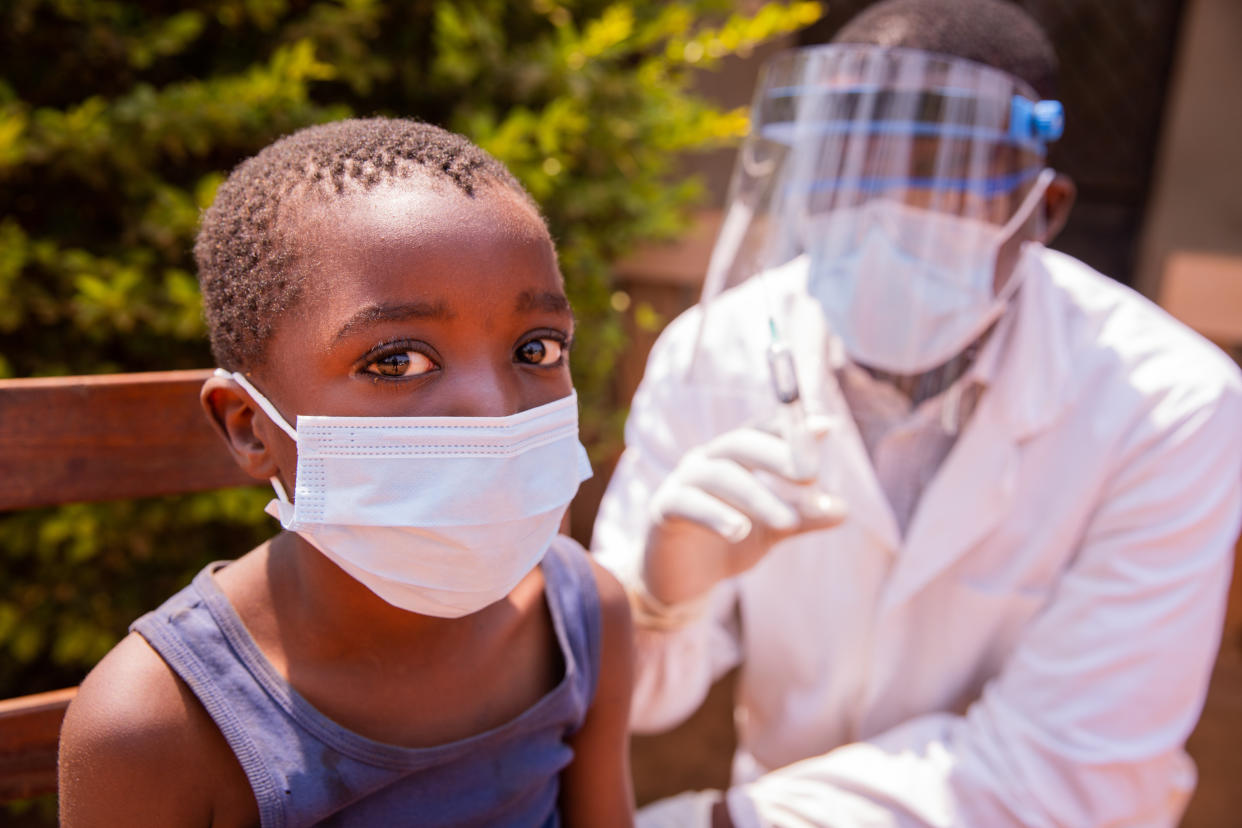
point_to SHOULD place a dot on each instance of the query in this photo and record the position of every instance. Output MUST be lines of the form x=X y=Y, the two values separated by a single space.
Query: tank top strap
x=186 y=636
x=573 y=600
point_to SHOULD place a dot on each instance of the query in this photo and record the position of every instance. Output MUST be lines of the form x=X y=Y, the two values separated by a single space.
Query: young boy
x=417 y=648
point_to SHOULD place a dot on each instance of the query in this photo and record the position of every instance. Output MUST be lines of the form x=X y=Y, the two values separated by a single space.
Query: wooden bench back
x=108 y=437
x=74 y=439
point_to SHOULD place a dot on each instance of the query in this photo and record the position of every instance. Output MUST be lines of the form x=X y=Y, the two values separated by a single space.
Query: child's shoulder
x=132 y=703
x=596 y=786
x=616 y=633
x=136 y=733
x=614 y=606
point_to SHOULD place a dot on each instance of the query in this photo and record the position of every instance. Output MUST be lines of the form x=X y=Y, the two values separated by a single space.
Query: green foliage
x=119 y=119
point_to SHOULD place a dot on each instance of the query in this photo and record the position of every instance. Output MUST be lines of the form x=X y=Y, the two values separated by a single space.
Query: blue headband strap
x=986 y=187
x=1031 y=123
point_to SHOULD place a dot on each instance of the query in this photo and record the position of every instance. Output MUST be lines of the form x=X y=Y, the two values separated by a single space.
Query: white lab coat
x=1037 y=649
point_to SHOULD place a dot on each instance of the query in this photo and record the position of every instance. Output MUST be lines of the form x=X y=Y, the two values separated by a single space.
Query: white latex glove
x=725 y=505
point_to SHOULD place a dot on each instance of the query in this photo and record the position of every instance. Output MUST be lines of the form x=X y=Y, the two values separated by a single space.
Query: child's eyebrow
x=550 y=301
x=389 y=313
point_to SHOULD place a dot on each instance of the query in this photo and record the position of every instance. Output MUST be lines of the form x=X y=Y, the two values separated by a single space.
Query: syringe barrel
x=803 y=451
x=784 y=377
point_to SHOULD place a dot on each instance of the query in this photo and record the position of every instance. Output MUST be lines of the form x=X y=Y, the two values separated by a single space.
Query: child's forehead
x=420 y=203
x=417 y=246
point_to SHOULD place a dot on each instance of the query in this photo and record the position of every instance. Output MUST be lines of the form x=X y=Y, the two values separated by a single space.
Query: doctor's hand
x=725 y=505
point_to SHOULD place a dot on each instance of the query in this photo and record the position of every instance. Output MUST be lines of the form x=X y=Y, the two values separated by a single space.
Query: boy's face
x=420 y=301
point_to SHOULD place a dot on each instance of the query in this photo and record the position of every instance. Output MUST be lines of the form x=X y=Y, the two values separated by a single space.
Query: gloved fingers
x=754 y=449
x=821 y=424
x=695 y=505
x=819 y=510
x=742 y=489
x=817 y=425
x=765 y=446
x=733 y=514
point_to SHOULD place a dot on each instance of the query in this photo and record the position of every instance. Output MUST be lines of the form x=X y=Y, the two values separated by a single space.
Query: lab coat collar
x=866 y=499
x=1032 y=368
x=847 y=460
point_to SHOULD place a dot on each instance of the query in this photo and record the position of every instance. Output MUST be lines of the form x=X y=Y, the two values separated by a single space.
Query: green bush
x=119 y=119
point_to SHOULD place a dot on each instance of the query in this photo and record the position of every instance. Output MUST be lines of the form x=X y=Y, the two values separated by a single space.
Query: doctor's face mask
x=436 y=515
x=891 y=179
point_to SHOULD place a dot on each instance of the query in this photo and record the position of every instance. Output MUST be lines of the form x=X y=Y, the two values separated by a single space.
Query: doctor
x=961 y=508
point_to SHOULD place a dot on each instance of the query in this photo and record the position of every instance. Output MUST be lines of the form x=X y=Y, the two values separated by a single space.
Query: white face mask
x=436 y=515
x=906 y=289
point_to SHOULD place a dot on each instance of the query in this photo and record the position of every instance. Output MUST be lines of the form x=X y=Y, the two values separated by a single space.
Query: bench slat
x=109 y=437
x=29 y=733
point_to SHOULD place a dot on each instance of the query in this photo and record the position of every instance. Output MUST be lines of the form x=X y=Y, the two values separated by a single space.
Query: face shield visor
x=885 y=182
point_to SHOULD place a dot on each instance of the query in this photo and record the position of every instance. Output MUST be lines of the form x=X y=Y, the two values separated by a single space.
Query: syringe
x=804 y=462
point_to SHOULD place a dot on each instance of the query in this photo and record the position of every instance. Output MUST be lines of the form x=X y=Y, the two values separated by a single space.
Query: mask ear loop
x=1020 y=217
x=271 y=411
x=950 y=411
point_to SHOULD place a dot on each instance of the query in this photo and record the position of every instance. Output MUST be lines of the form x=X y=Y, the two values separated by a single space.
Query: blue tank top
x=307 y=770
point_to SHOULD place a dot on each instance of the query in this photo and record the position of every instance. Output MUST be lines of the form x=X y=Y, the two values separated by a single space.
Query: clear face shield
x=885 y=183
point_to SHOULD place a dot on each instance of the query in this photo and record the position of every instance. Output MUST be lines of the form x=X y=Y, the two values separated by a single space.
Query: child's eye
x=542 y=351
x=401 y=364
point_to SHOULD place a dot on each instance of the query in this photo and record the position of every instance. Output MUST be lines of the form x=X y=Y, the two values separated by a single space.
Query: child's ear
x=232 y=413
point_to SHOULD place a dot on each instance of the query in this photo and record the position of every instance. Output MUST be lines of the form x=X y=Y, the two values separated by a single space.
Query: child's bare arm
x=138 y=749
x=596 y=789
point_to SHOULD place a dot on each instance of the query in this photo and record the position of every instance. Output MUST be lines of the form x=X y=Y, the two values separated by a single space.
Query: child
x=418 y=647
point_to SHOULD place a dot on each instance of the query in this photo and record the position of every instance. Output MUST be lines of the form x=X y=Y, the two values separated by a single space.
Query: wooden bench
x=75 y=439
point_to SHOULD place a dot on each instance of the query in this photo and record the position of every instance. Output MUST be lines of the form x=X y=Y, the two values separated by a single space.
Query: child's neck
x=361 y=661
x=300 y=606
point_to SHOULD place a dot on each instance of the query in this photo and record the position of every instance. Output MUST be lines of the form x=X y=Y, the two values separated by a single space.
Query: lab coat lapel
x=845 y=468
x=970 y=495
x=974 y=489
x=867 y=503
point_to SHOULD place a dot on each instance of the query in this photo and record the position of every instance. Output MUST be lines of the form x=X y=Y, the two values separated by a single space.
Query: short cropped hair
x=993 y=32
x=246 y=261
